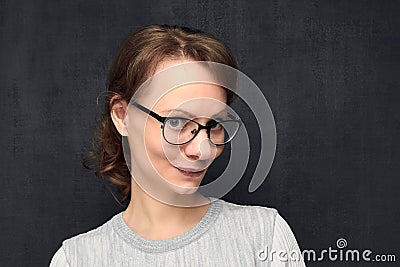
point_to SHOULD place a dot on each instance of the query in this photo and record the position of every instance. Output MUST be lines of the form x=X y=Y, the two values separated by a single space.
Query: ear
x=118 y=109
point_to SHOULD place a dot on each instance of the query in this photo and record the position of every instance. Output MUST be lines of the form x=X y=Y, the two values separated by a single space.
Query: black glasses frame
x=208 y=127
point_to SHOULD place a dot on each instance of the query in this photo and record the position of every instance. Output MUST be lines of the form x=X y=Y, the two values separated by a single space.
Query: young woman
x=170 y=144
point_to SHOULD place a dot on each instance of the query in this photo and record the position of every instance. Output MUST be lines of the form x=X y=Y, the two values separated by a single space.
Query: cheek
x=153 y=142
x=220 y=149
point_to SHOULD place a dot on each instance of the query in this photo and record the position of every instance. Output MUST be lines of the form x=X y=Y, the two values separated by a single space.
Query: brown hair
x=136 y=61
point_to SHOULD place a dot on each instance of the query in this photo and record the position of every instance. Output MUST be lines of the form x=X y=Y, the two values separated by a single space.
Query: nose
x=200 y=148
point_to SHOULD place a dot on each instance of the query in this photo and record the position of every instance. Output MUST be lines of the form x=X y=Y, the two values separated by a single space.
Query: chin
x=182 y=190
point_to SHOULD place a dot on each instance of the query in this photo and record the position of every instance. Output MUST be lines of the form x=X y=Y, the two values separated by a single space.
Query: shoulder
x=78 y=245
x=265 y=225
x=251 y=213
x=59 y=259
x=251 y=221
x=284 y=237
x=96 y=234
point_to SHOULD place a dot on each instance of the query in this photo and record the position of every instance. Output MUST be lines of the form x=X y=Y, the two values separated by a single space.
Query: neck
x=154 y=219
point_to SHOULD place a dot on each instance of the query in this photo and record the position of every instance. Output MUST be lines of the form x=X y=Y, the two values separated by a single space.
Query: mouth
x=191 y=172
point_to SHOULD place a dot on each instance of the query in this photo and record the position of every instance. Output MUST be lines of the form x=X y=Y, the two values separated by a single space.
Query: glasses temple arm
x=148 y=111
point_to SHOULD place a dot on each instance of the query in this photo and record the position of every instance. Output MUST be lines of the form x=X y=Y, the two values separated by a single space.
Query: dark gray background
x=329 y=69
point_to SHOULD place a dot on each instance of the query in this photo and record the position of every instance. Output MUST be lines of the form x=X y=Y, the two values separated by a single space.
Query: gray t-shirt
x=228 y=235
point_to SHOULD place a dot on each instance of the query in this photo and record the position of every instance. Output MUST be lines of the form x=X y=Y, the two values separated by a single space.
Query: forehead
x=197 y=98
x=192 y=87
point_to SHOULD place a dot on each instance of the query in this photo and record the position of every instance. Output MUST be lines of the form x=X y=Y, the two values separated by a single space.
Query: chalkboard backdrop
x=329 y=69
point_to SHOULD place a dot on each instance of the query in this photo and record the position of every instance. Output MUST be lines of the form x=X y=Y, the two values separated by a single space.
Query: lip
x=191 y=172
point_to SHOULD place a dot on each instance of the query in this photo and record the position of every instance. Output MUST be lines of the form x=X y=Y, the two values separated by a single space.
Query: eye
x=176 y=123
x=214 y=124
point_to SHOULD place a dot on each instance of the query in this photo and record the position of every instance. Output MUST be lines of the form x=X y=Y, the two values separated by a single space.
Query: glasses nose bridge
x=199 y=128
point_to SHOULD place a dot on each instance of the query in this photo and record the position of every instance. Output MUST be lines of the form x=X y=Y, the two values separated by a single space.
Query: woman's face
x=182 y=165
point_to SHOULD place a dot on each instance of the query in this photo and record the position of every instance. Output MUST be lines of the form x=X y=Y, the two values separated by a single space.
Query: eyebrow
x=188 y=113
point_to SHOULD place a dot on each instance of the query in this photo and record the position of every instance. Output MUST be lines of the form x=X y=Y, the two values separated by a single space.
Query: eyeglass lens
x=181 y=130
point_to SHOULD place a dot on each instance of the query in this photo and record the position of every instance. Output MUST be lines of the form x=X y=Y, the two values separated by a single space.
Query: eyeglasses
x=179 y=130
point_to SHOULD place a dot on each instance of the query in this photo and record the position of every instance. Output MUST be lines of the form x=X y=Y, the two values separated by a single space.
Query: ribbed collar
x=158 y=246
